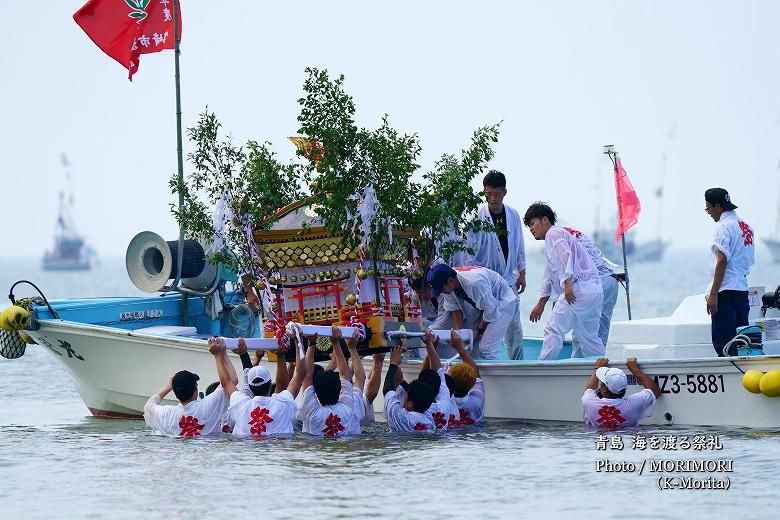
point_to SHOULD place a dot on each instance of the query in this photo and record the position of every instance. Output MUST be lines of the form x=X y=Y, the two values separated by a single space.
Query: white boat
x=119 y=351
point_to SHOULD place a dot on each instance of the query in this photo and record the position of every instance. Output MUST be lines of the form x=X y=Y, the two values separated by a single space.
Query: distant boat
x=774 y=248
x=605 y=240
x=652 y=251
x=70 y=251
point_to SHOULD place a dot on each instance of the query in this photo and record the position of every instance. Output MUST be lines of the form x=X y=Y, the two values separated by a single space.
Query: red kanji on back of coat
x=125 y=29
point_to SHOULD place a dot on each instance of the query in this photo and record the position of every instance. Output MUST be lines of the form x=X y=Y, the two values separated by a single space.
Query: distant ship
x=70 y=251
x=774 y=248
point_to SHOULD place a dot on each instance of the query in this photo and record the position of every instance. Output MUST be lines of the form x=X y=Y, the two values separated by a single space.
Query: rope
x=242 y=321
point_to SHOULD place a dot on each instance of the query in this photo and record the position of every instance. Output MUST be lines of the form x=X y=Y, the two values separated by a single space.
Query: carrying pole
x=180 y=163
x=609 y=150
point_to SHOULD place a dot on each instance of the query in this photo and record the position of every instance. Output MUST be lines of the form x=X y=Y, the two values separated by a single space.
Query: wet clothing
x=262 y=415
x=567 y=259
x=491 y=294
x=616 y=413
x=198 y=417
x=471 y=407
x=609 y=284
x=342 y=418
x=500 y=222
x=489 y=251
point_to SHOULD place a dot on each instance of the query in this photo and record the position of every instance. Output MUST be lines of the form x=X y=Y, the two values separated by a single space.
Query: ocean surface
x=57 y=461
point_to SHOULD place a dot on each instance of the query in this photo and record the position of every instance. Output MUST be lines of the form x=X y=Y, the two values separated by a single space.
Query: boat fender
x=751 y=380
x=14 y=318
x=770 y=383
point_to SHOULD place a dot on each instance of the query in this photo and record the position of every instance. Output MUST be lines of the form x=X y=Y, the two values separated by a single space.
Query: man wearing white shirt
x=331 y=407
x=487 y=292
x=192 y=416
x=443 y=410
x=609 y=284
x=571 y=278
x=265 y=413
x=605 y=404
x=467 y=387
x=407 y=406
x=502 y=251
x=732 y=256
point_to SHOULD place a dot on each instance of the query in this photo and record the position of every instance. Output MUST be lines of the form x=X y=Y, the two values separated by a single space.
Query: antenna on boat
x=180 y=164
x=609 y=151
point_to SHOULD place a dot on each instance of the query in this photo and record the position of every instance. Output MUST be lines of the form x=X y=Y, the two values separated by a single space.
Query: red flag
x=627 y=202
x=125 y=29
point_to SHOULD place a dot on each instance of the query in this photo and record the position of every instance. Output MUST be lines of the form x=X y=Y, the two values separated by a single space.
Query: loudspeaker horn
x=151 y=262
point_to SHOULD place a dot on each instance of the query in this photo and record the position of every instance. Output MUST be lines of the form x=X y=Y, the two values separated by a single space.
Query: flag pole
x=609 y=150
x=180 y=163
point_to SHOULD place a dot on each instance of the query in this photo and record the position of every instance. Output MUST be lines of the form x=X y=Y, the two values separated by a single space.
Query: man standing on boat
x=732 y=256
x=502 y=251
x=488 y=292
x=192 y=416
x=571 y=277
x=609 y=287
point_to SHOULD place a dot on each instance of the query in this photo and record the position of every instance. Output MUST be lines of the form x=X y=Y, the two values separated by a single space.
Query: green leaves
x=254 y=181
x=343 y=160
x=139 y=9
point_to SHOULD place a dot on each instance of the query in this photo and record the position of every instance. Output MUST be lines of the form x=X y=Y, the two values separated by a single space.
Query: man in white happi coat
x=732 y=256
x=609 y=284
x=572 y=280
x=502 y=251
x=488 y=293
x=192 y=416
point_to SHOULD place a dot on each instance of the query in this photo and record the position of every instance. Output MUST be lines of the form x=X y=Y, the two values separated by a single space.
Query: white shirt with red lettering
x=734 y=238
x=616 y=413
x=471 y=407
x=443 y=410
x=342 y=418
x=399 y=419
x=567 y=258
x=262 y=415
x=199 y=417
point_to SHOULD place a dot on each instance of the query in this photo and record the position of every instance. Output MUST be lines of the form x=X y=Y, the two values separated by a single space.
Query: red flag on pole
x=125 y=29
x=627 y=201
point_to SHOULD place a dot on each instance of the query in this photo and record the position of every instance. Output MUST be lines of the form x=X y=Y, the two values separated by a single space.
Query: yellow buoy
x=751 y=381
x=770 y=383
x=15 y=318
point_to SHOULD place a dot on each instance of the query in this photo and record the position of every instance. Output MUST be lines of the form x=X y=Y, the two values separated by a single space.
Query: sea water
x=57 y=461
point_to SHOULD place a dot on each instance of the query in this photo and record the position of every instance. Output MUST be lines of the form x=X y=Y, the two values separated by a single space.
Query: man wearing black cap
x=489 y=293
x=192 y=416
x=732 y=256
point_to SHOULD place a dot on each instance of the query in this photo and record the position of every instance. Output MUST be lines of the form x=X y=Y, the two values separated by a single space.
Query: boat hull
x=116 y=370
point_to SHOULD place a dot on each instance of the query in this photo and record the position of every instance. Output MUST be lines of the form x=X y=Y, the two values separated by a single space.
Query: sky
x=696 y=82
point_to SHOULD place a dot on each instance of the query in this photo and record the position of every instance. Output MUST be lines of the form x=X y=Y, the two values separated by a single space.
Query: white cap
x=258 y=376
x=614 y=378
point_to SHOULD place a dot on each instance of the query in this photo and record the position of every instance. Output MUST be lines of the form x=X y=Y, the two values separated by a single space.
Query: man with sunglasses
x=732 y=256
